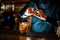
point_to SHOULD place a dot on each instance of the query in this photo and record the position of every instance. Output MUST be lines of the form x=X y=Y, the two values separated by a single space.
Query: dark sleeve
x=52 y=21
x=58 y=13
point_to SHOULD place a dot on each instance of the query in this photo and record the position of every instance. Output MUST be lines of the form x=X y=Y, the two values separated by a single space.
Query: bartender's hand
x=34 y=12
x=41 y=14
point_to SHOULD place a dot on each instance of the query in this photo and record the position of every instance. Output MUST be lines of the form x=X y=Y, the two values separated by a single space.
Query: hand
x=29 y=11
x=41 y=14
x=33 y=12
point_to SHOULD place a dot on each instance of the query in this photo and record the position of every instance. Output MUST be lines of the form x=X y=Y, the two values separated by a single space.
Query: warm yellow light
x=16 y=19
x=23 y=26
